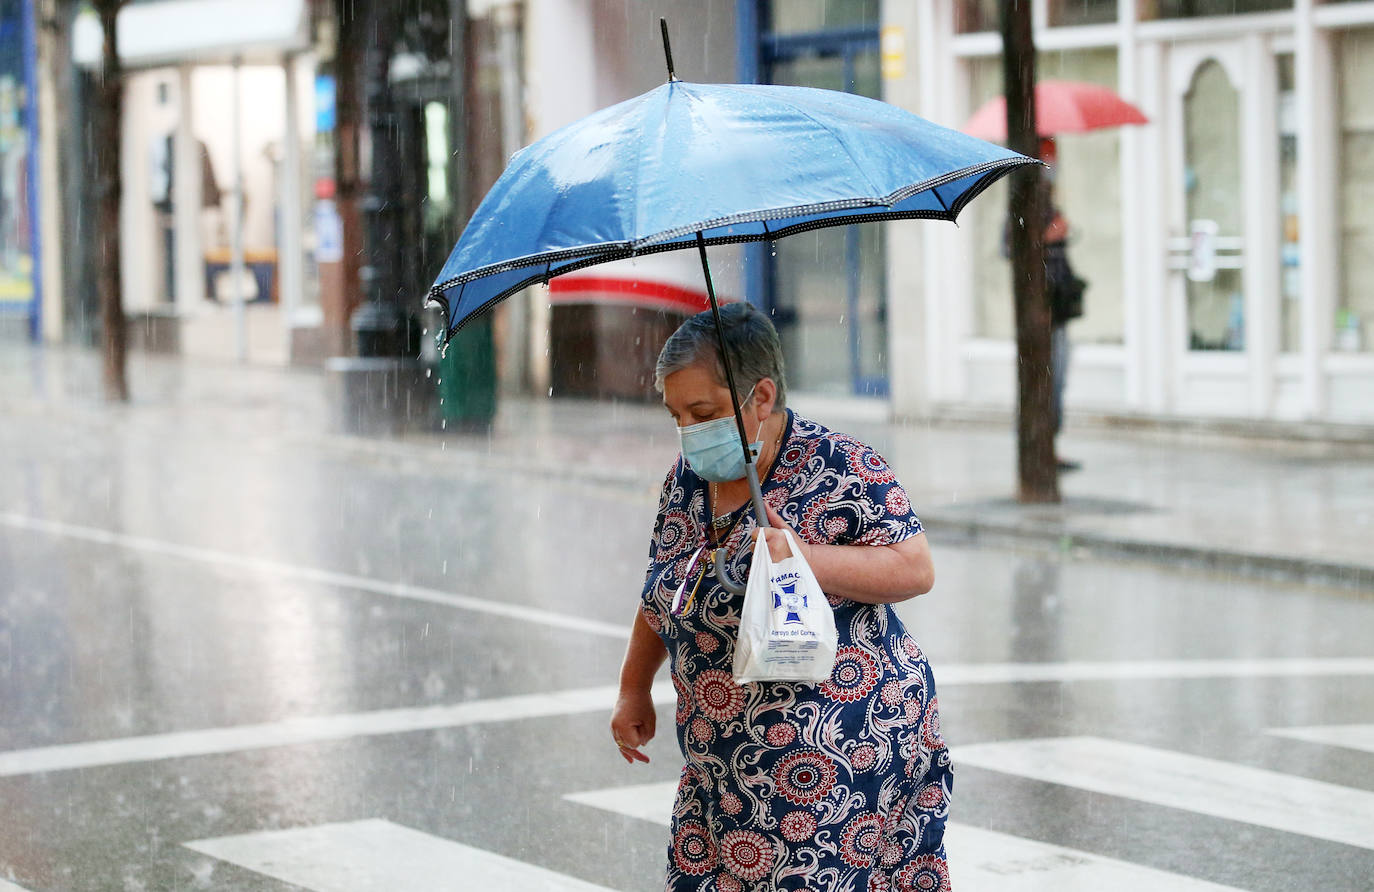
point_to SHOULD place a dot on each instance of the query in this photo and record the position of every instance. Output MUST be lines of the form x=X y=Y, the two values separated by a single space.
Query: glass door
x=1232 y=302
x=1213 y=204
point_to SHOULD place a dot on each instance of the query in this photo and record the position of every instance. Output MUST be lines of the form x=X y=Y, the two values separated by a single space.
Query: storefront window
x=1182 y=9
x=1082 y=12
x=1290 y=307
x=801 y=16
x=975 y=15
x=1354 y=322
x=1087 y=189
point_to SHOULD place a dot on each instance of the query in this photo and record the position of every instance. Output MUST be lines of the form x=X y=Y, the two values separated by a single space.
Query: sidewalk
x=1294 y=510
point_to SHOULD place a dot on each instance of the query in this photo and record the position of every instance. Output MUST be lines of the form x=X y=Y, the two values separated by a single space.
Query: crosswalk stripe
x=1355 y=737
x=313 y=729
x=987 y=861
x=1142 y=670
x=647 y=802
x=379 y=856
x=6 y=886
x=1192 y=783
x=979 y=860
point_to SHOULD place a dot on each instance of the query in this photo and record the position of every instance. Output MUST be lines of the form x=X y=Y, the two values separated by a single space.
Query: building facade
x=1226 y=243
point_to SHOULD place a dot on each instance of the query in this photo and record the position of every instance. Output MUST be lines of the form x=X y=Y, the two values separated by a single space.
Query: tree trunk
x=108 y=130
x=1037 y=474
x=351 y=17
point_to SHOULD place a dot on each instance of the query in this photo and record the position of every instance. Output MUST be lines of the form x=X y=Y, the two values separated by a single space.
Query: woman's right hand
x=632 y=724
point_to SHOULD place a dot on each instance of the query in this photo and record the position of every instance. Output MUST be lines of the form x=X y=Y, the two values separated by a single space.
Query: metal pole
x=236 y=226
x=750 y=470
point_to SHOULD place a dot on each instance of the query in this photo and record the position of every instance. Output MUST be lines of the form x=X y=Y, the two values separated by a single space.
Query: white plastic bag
x=786 y=627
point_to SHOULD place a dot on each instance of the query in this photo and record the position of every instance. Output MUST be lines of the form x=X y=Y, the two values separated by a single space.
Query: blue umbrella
x=691 y=165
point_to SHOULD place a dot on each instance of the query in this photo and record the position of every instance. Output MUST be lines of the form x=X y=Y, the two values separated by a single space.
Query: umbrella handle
x=723 y=575
x=751 y=471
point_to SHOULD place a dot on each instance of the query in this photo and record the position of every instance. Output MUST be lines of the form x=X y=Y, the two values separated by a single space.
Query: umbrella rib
x=437 y=291
x=833 y=135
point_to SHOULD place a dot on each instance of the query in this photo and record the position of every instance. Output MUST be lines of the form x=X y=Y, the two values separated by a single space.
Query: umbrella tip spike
x=667 y=47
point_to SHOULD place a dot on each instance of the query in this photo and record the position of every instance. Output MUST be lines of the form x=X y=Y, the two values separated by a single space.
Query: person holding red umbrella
x=1063 y=287
x=1060 y=107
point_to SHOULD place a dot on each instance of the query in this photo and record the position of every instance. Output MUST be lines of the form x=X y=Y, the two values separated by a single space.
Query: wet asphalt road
x=158 y=577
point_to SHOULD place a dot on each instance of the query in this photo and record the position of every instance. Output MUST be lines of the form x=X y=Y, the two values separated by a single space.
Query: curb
x=964 y=530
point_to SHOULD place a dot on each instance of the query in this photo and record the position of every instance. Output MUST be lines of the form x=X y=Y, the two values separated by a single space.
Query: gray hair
x=751 y=342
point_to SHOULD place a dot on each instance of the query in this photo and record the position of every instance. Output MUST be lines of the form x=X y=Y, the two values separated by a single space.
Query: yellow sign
x=893 y=48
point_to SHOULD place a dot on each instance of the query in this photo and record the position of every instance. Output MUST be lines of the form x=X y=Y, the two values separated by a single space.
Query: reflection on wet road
x=278 y=667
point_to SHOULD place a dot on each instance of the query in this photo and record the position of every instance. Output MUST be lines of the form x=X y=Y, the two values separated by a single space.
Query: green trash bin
x=467 y=377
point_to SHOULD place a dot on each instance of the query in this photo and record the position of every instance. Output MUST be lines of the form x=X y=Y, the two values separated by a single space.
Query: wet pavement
x=218 y=618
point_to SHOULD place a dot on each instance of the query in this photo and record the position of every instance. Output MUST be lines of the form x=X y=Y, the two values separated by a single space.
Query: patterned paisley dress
x=838 y=787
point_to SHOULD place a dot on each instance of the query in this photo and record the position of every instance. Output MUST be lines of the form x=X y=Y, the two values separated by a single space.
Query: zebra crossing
x=374 y=855
x=371 y=854
x=1190 y=783
x=979 y=859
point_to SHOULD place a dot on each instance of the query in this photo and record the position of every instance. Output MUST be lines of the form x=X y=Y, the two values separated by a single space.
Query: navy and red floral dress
x=842 y=786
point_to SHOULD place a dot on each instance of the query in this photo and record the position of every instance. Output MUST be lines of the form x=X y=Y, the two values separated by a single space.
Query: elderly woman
x=842 y=785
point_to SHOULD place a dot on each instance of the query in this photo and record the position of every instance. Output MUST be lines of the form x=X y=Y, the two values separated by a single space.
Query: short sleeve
x=664 y=497
x=868 y=506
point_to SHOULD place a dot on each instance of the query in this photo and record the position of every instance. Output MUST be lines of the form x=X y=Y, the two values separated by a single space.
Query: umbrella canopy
x=691 y=165
x=1060 y=107
x=688 y=165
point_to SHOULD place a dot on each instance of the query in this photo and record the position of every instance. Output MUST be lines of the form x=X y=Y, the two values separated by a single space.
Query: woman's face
x=692 y=395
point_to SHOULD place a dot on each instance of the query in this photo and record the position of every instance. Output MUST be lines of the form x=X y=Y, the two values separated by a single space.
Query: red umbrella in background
x=1060 y=107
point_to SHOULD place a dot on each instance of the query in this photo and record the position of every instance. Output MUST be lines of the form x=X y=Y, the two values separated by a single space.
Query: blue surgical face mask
x=712 y=447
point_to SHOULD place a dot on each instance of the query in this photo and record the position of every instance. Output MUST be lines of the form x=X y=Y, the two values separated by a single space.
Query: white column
x=1317 y=206
x=958 y=295
x=1260 y=190
x=907 y=299
x=236 y=268
x=188 y=261
x=1174 y=325
x=928 y=39
x=520 y=342
x=1155 y=352
x=1132 y=225
x=49 y=188
x=560 y=75
x=290 y=253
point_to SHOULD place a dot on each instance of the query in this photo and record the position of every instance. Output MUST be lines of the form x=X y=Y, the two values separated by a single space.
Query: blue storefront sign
x=20 y=294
